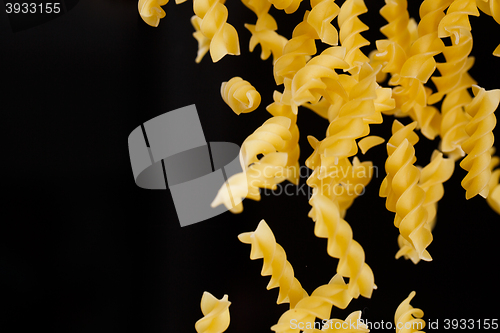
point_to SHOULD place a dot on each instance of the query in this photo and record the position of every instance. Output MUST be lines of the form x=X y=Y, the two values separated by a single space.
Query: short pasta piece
x=407 y=318
x=275 y=264
x=151 y=12
x=215 y=312
x=240 y=95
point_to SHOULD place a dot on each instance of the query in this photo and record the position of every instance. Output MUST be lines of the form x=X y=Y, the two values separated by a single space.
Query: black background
x=83 y=249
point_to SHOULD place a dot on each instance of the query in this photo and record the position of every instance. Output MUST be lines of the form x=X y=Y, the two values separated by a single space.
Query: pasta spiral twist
x=407 y=318
x=322 y=13
x=240 y=95
x=454 y=118
x=264 y=31
x=350 y=33
x=211 y=19
x=318 y=305
x=404 y=196
x=271 y=169
x=397 y=30
x=275 y=264
x=455 y=23
x=432 y=178
x=151 y=12
x=319 y=79
x=329 y=224
x=215 y=312
x=296 y=50
x=480 y=140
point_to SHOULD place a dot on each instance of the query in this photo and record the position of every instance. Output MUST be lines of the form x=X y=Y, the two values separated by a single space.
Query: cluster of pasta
x=344 y=85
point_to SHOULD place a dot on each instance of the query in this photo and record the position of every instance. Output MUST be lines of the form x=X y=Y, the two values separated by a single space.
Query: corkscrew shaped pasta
x=151 y=12
x=319 y=79
x=407 y=318
x=240 y=95
x=292 y=148
x=397 y=29
x=404 y=196
x=267 y=172
x=341 y=245
x=455 y=24
x=432 y=178
x=477 y=146
x=318 y=305
x=264 y=246
x=322 y=13
x=454 y=118
x=352 y=120
x=215 y=314
x=211 y=20
x=350 y=33
x=289 y=6
x=264 y=31
x=493 y=198
x=296 y=51
x=491 y=8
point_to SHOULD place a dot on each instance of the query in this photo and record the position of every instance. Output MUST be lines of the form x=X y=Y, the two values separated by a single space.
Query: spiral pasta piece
x=296 y=51
x=329 y=224
x=264 y=30
x=397 y=29
x=211 y=20
x=432 y=178
x=455 y=24
x=240 y=95
x=477 y=146
x=151 y=12
x=407 y=318
x=491 y=8
x=215 y=314
x=322 y=13
x=319 y=305
x=404 y=196
x=264 y=246
x=454 y=118
x=270 y=140
x=318 y=78
x=350 y=33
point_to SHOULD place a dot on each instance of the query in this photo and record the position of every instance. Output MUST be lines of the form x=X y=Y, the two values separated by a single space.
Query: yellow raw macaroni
x=151 y=12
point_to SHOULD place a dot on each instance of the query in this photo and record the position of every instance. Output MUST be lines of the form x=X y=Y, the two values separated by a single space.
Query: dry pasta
x=343 y=85
x=215 y=314
x=479 y=142
x=211 y=20
x=275 y=264
x=408 y=319
x=240 y=95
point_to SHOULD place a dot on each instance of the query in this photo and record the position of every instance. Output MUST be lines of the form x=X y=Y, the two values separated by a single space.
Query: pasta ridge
x=264 y=247
x=289 y=6
x=491 y=8
x=493 y=198
x=211 y=20
x=215 y=314
x=479 y=142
